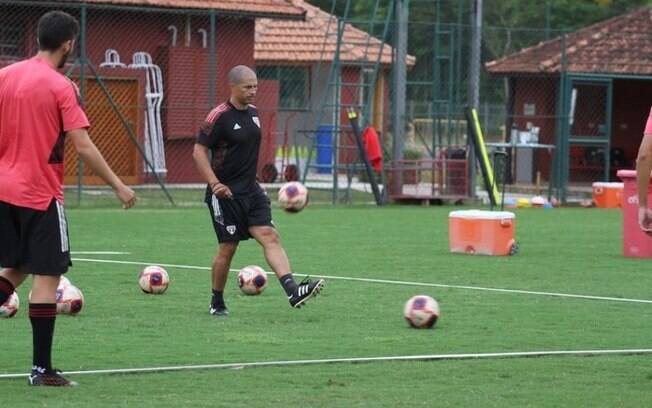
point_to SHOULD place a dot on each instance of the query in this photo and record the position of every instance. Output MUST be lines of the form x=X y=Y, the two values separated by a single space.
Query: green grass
x=562 y=250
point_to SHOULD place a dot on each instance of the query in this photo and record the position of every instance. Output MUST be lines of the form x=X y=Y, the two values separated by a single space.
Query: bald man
x=239 y=207
x=643 y=169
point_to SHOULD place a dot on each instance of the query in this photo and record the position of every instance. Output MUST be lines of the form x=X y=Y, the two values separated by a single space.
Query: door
x=108 y=133
x=587 y=129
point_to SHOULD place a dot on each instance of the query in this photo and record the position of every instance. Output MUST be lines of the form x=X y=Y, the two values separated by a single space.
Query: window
x=293 y=84
x=11 y=40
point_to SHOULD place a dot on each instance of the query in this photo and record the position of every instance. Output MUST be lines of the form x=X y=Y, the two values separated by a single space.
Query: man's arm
x=93 y=158
x=643 y=169
x=200 y=155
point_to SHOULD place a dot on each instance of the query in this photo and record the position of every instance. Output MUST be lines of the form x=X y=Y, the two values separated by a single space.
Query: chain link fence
x=568 y=107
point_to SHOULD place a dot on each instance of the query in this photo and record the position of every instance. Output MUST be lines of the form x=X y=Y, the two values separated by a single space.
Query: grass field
x=574 y=251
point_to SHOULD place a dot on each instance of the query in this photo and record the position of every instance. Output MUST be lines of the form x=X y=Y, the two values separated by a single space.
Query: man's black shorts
x=34 y=241
x=232 y=217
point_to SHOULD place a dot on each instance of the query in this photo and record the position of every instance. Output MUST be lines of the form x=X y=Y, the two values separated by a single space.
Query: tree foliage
x=439 y=34
x=509 y=24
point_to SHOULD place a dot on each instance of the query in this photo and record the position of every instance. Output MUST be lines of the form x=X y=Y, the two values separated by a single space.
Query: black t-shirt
x=234 y=138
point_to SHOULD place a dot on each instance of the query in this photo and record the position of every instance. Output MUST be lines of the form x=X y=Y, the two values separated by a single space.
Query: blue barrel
x=325 y=149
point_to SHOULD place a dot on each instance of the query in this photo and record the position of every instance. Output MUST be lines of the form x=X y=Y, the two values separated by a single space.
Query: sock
x=6 y=289
x=288 y=283
x=218 y=299
x=42 y=317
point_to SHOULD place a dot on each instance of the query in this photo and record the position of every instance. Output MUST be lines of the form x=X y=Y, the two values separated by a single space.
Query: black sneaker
x=52 y=378
x=306 y=289
x=218 y=311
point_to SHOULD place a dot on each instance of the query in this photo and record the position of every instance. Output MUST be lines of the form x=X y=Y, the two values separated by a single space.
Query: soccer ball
x=10 y=307
x=293 y=196
x=154 y=279
x=70 y=299
x=63 y=282
x=421 y=311
x=252 y=280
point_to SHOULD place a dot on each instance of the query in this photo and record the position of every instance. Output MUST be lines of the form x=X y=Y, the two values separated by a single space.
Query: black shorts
x=34 y=241
x=233 y=217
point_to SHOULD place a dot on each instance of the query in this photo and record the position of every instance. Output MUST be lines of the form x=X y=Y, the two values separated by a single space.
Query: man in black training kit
x=39 y=110
x=239 y=207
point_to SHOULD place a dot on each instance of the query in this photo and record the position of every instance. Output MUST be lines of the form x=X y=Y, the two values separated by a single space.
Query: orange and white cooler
x=608 y=195
x=482 y=232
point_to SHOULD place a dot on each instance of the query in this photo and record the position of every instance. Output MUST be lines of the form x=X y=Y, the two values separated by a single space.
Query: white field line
x=395 y=282
x=99 y=253
x=426 y=357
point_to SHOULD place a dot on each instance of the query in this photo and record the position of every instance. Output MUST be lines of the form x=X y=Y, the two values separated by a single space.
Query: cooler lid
x=605 y=184
x=626 y=174
x=482 y=215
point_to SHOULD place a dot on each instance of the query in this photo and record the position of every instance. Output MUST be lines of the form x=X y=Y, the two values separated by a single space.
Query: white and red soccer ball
x=154 y=279
x=70 y=299
x=252 y=280
x=10 y=307
x=293 y=196
x=63 y=282
x=421 y=312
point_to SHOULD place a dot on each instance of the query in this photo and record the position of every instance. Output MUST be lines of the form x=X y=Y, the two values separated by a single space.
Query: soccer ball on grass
x=252 y=280
x=70 y=300
x=154 y=280
x=10 y=307
x=421 y=312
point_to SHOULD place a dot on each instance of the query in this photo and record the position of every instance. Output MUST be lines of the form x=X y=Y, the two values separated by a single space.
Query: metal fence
x=567 y=107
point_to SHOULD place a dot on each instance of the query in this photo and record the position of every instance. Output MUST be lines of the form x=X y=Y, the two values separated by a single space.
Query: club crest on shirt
x=256 y=120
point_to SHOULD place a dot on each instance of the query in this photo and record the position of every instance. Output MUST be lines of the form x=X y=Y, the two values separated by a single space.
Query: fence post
x=82 y=90
x=400 y=77
x=565 y=116
x=212 y=64
x=548 y=19
x=474 y=81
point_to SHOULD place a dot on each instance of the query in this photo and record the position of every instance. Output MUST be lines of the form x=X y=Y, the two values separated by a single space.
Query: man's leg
x=10 y=238
x=219 y=273
x=42 y=315
x=274 y=253
x=10 y=279
x=46 y=242
x=278 y=260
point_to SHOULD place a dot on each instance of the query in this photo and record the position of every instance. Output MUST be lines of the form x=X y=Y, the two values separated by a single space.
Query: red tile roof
x=621 y=45
x=268 y=8
x=292 y=42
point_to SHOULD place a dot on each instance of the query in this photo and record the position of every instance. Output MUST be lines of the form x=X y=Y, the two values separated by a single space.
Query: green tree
x=508 y=26
x=513 y=24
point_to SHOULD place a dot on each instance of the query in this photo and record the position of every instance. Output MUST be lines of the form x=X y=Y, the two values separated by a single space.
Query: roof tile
x=280 y=8
x=620 y=45
x=315 y=39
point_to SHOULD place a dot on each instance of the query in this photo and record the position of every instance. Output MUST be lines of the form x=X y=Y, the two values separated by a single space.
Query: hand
x=645 y=219
x=221 y=190
x=126 y=195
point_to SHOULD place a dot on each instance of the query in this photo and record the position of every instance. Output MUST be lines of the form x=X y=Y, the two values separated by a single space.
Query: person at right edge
x=238 y=206
x=643 y=169
x=39 y=109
